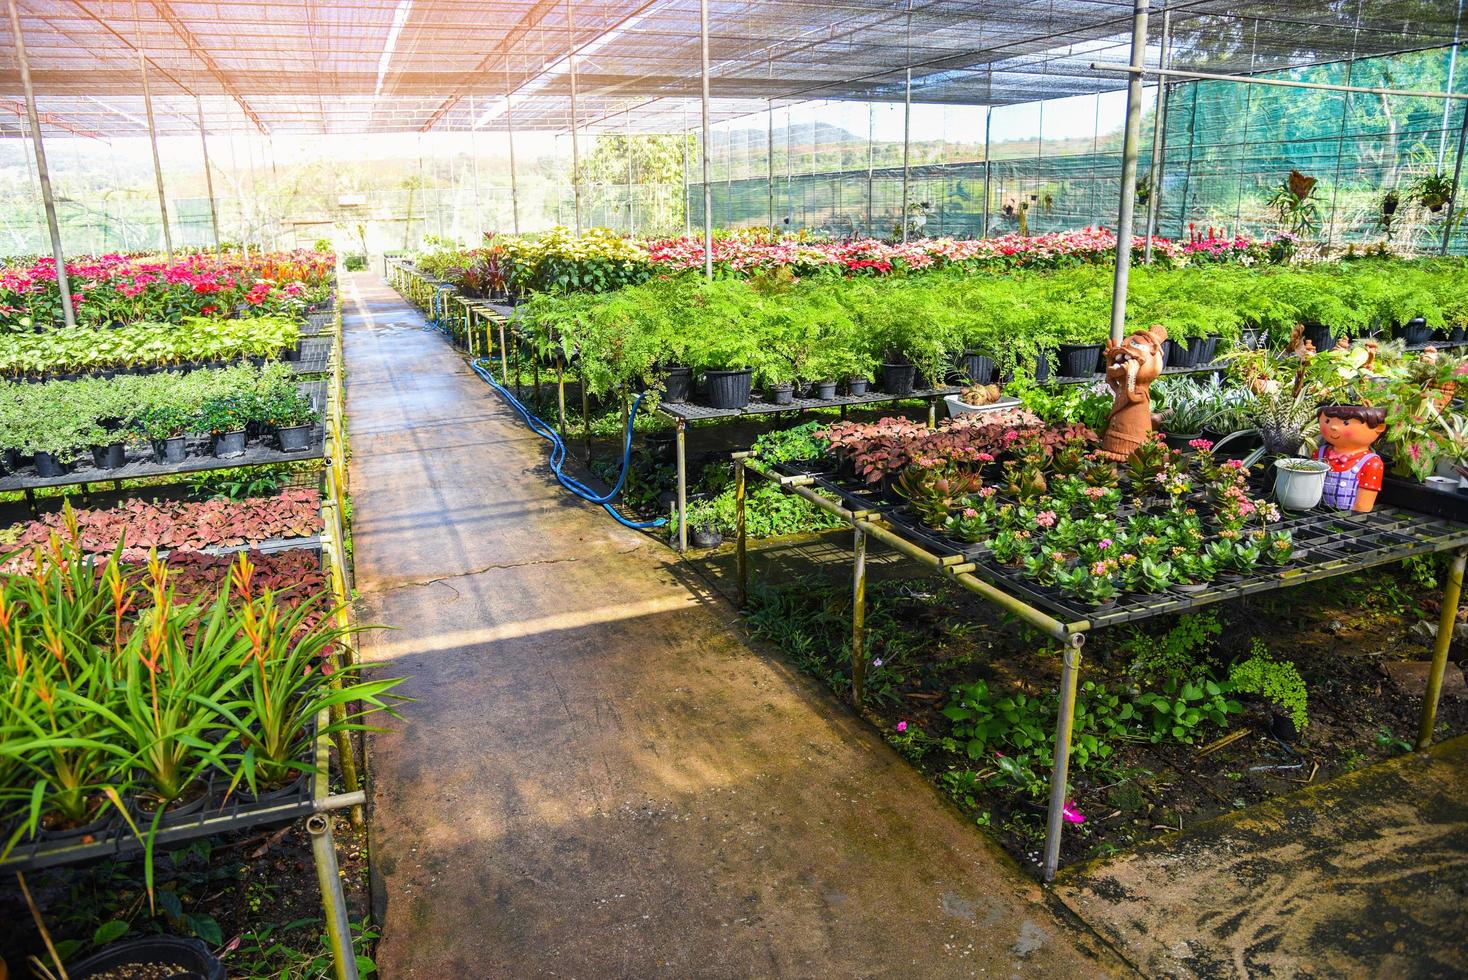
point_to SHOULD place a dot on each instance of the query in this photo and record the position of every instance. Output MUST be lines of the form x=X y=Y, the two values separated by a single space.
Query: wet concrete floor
x=1366 y=875
x=599 y=777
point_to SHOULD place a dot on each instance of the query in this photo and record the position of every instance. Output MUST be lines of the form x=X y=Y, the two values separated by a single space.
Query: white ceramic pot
x=957 y=407
x=1299 y=483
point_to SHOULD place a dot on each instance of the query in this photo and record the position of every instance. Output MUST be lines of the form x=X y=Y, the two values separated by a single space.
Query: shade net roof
x=362 y=66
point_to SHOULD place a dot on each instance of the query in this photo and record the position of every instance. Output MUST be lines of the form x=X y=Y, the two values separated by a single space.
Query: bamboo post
x=741 y=560
x=858 y=618
x=1060 y=774
x=1446 y=623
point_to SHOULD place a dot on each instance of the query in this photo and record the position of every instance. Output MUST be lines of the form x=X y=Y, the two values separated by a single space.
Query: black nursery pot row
x=165 y=452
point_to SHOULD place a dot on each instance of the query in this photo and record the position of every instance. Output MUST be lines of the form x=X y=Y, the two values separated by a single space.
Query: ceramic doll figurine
x=1347 y=433
x=1131 y=367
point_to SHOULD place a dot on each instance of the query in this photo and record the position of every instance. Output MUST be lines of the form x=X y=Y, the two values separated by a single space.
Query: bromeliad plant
x=116 y=685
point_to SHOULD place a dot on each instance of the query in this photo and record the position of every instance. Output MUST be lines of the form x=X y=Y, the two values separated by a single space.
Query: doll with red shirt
x=1347 y=434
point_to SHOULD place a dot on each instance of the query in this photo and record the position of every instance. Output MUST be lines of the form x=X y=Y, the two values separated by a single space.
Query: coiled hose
x=539 y=426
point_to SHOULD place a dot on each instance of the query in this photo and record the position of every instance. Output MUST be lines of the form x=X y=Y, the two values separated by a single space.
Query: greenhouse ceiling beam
x=506 y=47
x=49 y=118
x=204 y=58
x=1207 y=76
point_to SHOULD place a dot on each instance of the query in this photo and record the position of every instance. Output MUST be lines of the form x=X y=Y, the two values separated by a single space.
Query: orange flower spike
x=241 y=574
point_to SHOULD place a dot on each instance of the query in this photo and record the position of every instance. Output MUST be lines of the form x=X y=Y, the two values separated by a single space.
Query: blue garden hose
x=558 y=450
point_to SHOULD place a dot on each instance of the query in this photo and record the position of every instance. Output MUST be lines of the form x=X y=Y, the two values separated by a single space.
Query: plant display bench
x=1331 y=544
x=684 y=414
x=311 y=801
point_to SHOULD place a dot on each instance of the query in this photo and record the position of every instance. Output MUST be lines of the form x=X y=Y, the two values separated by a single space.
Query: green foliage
x=824 y=327
x=1278 y=682
x=1181 y=651
x=1180 y=708
x=767 y=513
x=144 y=344
x=786 y=445
x=65 y=417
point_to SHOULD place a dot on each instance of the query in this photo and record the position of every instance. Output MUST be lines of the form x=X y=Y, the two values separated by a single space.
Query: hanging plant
x=1296 y=203
x=1433 y=190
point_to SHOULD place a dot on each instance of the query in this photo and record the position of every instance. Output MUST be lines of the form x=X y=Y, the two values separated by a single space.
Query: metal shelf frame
x=1418 y=534
x=317 y=806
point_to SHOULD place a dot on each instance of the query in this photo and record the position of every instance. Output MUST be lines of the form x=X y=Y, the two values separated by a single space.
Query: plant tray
x=315 y=357
x=1425 y=499
x=689 y=412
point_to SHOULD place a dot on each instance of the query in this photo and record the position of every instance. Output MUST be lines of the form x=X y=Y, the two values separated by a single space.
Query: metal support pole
x=561 y=398
x=152 y=131
x=741 y=559
x=708 y=191
x=1457 y=182
x=858 y=618
x=1159 y=137
x=988 y=128
x=585 y=421
x=43 y=173
x=504 y=356
x=682 y=445
x=770 y=160
x=1129 y=173
x=333 y=901
x=906 y=145
x=208 y=175
x=1340 y=148
x=871 y=165
x=1447 y=621
x=1070 y=672
x=627 y=135
x=575 y=150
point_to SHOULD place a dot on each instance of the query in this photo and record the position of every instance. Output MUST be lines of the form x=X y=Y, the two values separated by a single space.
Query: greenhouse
x=677 y=488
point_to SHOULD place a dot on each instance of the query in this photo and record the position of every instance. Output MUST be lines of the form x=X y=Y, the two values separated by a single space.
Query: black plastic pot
x=662 y=447
x=190 y=959
x=898 y=379
x=294 y=353
x=705 y=537
x=1414 y=331
x=1251 y=338
x=171 y=450
x=978 y=368
x=1203 y=349
x=47 y=466
x=1041 y=369
x=1321 y=337
x=727 y=389
x=856 y=387
x=782 y=394
x=228 y=445
x=1458 y=334
x=112 y=456
x=825 y=390
x=1183 y=355
x=1079 y=360
x=1180 y=440
x=294 y=438
x=678 y=385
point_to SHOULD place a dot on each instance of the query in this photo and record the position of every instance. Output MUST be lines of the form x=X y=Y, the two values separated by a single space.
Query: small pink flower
x=1071 y=814
x=1104 y=543
x=902 y=726
x=1202 y=445
x=1046 y=518
x=970 y=513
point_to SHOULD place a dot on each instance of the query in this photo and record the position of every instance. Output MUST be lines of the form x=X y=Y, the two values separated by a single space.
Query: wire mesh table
x=1329 y=544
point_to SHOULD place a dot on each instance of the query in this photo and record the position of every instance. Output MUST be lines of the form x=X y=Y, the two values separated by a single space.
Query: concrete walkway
x=599 y=778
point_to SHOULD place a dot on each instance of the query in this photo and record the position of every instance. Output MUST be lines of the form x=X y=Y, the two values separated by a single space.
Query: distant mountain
x=800 y=133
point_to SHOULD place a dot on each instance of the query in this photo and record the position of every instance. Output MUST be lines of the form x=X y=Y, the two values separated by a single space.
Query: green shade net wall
x=836 y=168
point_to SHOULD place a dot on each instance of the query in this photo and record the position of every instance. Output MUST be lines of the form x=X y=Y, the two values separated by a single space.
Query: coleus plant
x=181 y=525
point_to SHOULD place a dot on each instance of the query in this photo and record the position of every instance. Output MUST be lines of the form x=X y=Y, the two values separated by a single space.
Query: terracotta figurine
x=1348 y=432
x=1131 y=367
